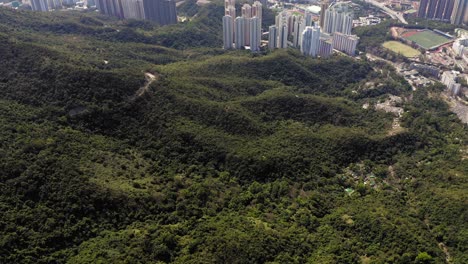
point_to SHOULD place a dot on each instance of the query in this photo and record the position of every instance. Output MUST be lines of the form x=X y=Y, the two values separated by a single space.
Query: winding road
x=390 y=12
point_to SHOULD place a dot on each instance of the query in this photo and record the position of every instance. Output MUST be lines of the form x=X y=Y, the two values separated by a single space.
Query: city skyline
x=162 y=12
x=245 y=30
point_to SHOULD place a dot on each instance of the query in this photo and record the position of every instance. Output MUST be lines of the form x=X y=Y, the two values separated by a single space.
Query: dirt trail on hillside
x=150 y=78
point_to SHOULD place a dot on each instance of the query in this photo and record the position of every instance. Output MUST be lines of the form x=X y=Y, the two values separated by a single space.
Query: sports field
x=401 y=48
x=426 y=39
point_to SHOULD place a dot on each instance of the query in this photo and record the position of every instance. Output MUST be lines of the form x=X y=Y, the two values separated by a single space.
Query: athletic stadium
x=425 y=38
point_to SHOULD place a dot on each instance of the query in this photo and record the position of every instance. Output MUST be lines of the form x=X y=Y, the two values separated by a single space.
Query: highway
x=390 y=12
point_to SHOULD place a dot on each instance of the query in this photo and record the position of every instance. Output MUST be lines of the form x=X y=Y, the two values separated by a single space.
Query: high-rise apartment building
x=310 y=41
x=162 y=12
x=246 y=11
x=299 y=26
x=338 y=18
x=323 y=7
x=290 y=21
x=325 y=47
x=308 y=19
x=422 y=8
x=228 y=26
x=281 y=18
x=281 y=22
x=345 y=43
x=133 y=9
x=228 y=3
x=246 y=29
x=283 y=36
x=460 y=12
x=55 y=4
x=46 y=5
x=255 y=33
x=239 y=32
x=40 y=5
x=257 y=10
x=110 y=7
x=436 y=9
x=272 y=37
x=230 y=11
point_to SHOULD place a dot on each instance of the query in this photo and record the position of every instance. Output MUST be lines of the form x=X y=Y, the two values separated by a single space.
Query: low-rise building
x=449 y=78
x=460 y=46
x=366 y=21
x=426 y=70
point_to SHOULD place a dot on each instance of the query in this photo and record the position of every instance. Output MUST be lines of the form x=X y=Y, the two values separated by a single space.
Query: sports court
x=401 y=48
x=426 y=39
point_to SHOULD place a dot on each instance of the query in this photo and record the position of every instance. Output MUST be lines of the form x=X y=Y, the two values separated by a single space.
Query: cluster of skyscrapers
x=337 y=18
x=298 y=31
x=162 y=12
x=49 y=5
x=245 y=30
x=455 y=11
x=45 y=5
x=334 y=31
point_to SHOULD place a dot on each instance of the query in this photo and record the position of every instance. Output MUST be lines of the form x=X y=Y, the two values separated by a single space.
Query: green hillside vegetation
x=225 y=157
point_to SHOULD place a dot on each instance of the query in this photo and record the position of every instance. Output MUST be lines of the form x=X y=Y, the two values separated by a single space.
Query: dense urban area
x=234 y=131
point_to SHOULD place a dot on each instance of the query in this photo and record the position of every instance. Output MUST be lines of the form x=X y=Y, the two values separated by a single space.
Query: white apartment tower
x=325 y=47
x=40 y=5
x=338 y=18
x=283 y=36
x=255 y=33
x=345 y=43
x=246 y=11
x=281 y=18
x=273 y=37
x=460 y=12
x=299 y=26
x=227 y=32
x=282 y=27
x=228 y=3
x=257 y=10
x=308 y=19
x=239 y=25
x=310 y=41
x=230 y=11
x=246 y=14
x=291 y=20
x=133 y=9
x=323 y=7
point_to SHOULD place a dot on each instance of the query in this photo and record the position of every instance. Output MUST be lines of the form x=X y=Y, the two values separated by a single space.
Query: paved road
x=390 y=12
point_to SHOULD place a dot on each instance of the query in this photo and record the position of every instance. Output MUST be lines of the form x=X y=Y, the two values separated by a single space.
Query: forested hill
x=125 y=142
